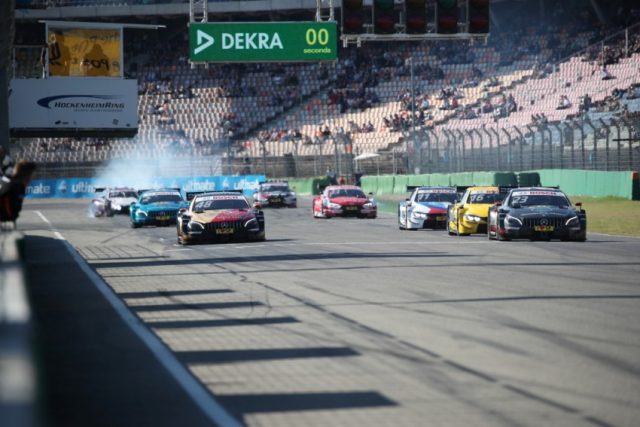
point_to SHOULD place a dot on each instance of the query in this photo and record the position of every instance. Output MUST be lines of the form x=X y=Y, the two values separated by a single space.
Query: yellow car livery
x=469 y=215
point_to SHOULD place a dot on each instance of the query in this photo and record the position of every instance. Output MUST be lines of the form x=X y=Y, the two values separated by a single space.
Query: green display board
x=262 y=41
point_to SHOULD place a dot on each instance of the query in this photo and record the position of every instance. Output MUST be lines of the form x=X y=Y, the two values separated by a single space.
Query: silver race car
x=110 y=201
x=426 y=207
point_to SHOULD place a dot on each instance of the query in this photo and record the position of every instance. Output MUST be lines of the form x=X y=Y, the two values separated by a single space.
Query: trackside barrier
x=591 y=183
x=308 y=186
x=624 y=184
x=85 y=187
x=303 y=187
x=18 y=405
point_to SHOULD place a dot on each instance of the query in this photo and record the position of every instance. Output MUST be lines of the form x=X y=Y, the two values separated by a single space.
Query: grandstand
x=533 y=80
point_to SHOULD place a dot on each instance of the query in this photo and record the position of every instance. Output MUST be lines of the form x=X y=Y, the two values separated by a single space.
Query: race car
x=220 y=216
x=537 y=213
x=469 y=215
x=275 y=193
x=426 y=207
x=344 y=200
x=156 y=207
x=112 y=200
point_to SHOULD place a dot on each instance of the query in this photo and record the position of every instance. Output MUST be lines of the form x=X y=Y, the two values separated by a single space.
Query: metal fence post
x=617 y=125
x=451 y=151
x=498 y=148
x=594 y=156
x=606 y=144
x=561 y=145
x=463 y=150
x=519 y=132
x=533 y=145
x=509 y=151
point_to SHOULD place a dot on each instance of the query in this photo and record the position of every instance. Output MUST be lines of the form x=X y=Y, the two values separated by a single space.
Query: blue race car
x=156 y=207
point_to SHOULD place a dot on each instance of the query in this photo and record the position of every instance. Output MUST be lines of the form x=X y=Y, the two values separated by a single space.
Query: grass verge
x=608 y=215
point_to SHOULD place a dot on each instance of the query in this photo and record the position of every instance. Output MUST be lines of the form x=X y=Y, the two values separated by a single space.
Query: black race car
x=537 y=213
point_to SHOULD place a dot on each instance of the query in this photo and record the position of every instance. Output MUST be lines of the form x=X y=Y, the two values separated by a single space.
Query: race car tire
x=501 y=237
x=109 y=213
x=449 y=231
x=135 y=225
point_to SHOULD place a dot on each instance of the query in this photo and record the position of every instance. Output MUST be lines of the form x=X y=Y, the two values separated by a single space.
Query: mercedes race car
x=537 y=213
x=220 y=216
x=344 y=200
x=112 y=200
x=426 y=207
x=156 y=207
x=469 y=215
x=275 y=193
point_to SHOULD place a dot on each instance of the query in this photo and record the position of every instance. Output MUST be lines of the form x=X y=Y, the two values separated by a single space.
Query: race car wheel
x=135 y=225
x=449 y=231
x=501 y=237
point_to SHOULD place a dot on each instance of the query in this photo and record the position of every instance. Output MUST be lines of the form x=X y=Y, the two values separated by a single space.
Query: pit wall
x=78 y=188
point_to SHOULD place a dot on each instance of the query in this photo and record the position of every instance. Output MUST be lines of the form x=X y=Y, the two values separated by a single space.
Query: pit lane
x=353 y=322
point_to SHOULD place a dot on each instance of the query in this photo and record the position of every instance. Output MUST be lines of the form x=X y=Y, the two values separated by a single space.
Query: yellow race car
x=469 y=215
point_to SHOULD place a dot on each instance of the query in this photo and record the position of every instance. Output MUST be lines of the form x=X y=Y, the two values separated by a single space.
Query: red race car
x=344 y=200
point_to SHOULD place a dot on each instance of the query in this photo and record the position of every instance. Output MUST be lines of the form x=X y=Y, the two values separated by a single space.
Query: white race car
x=112 y=200
x=426 y=207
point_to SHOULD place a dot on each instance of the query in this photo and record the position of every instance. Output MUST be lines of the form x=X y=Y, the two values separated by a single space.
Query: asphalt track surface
x=342 y=322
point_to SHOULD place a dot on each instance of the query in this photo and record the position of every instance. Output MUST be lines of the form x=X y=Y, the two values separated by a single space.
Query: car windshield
x=539 y=200
x=273 y=188
x=347 y=192
x=161 y=198
x=219 y=204
x=485 y=198
x=115 y=194
x=436 y=197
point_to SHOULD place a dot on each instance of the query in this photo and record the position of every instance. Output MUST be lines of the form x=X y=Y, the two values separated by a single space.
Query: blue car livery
x=156 y=207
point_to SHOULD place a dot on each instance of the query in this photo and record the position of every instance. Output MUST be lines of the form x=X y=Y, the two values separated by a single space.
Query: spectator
x=605 y=74
x=6 y=163
x=564 y=103
x=13 y=190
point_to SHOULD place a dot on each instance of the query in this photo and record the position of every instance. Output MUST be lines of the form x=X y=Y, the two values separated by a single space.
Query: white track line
x=201 y=396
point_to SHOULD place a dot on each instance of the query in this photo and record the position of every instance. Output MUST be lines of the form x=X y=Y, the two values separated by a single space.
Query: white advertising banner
x=73 y=104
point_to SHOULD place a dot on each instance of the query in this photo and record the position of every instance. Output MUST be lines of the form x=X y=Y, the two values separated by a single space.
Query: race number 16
x=314 y=36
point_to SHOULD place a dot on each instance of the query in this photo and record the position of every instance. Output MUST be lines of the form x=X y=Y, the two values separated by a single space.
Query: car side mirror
x=133 y=205
x=370 y=194
x=182 y=211
x=498 y=204
x=257 y=205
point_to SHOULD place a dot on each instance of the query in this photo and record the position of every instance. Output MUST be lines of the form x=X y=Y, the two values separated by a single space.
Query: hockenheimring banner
x=67 y=103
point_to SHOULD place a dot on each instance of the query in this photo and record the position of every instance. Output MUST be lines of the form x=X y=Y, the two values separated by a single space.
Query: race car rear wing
x=410 y=188
x=158 y=189
x=189 y=195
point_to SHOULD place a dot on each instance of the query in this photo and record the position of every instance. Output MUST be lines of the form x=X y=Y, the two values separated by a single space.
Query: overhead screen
x=73 y=106
x=84 y=52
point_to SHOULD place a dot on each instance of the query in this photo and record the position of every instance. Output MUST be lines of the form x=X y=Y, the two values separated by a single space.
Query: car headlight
x=115 y=206
x=472 y=218
x=141 y=213
x=252 y=224
x=574 y=221
x=334 y=206
x=513 y=221
x=419 y=214
x=195 y=226
x=371 y=205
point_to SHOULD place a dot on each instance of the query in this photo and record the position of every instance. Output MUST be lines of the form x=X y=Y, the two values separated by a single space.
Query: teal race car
x=156 y=207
